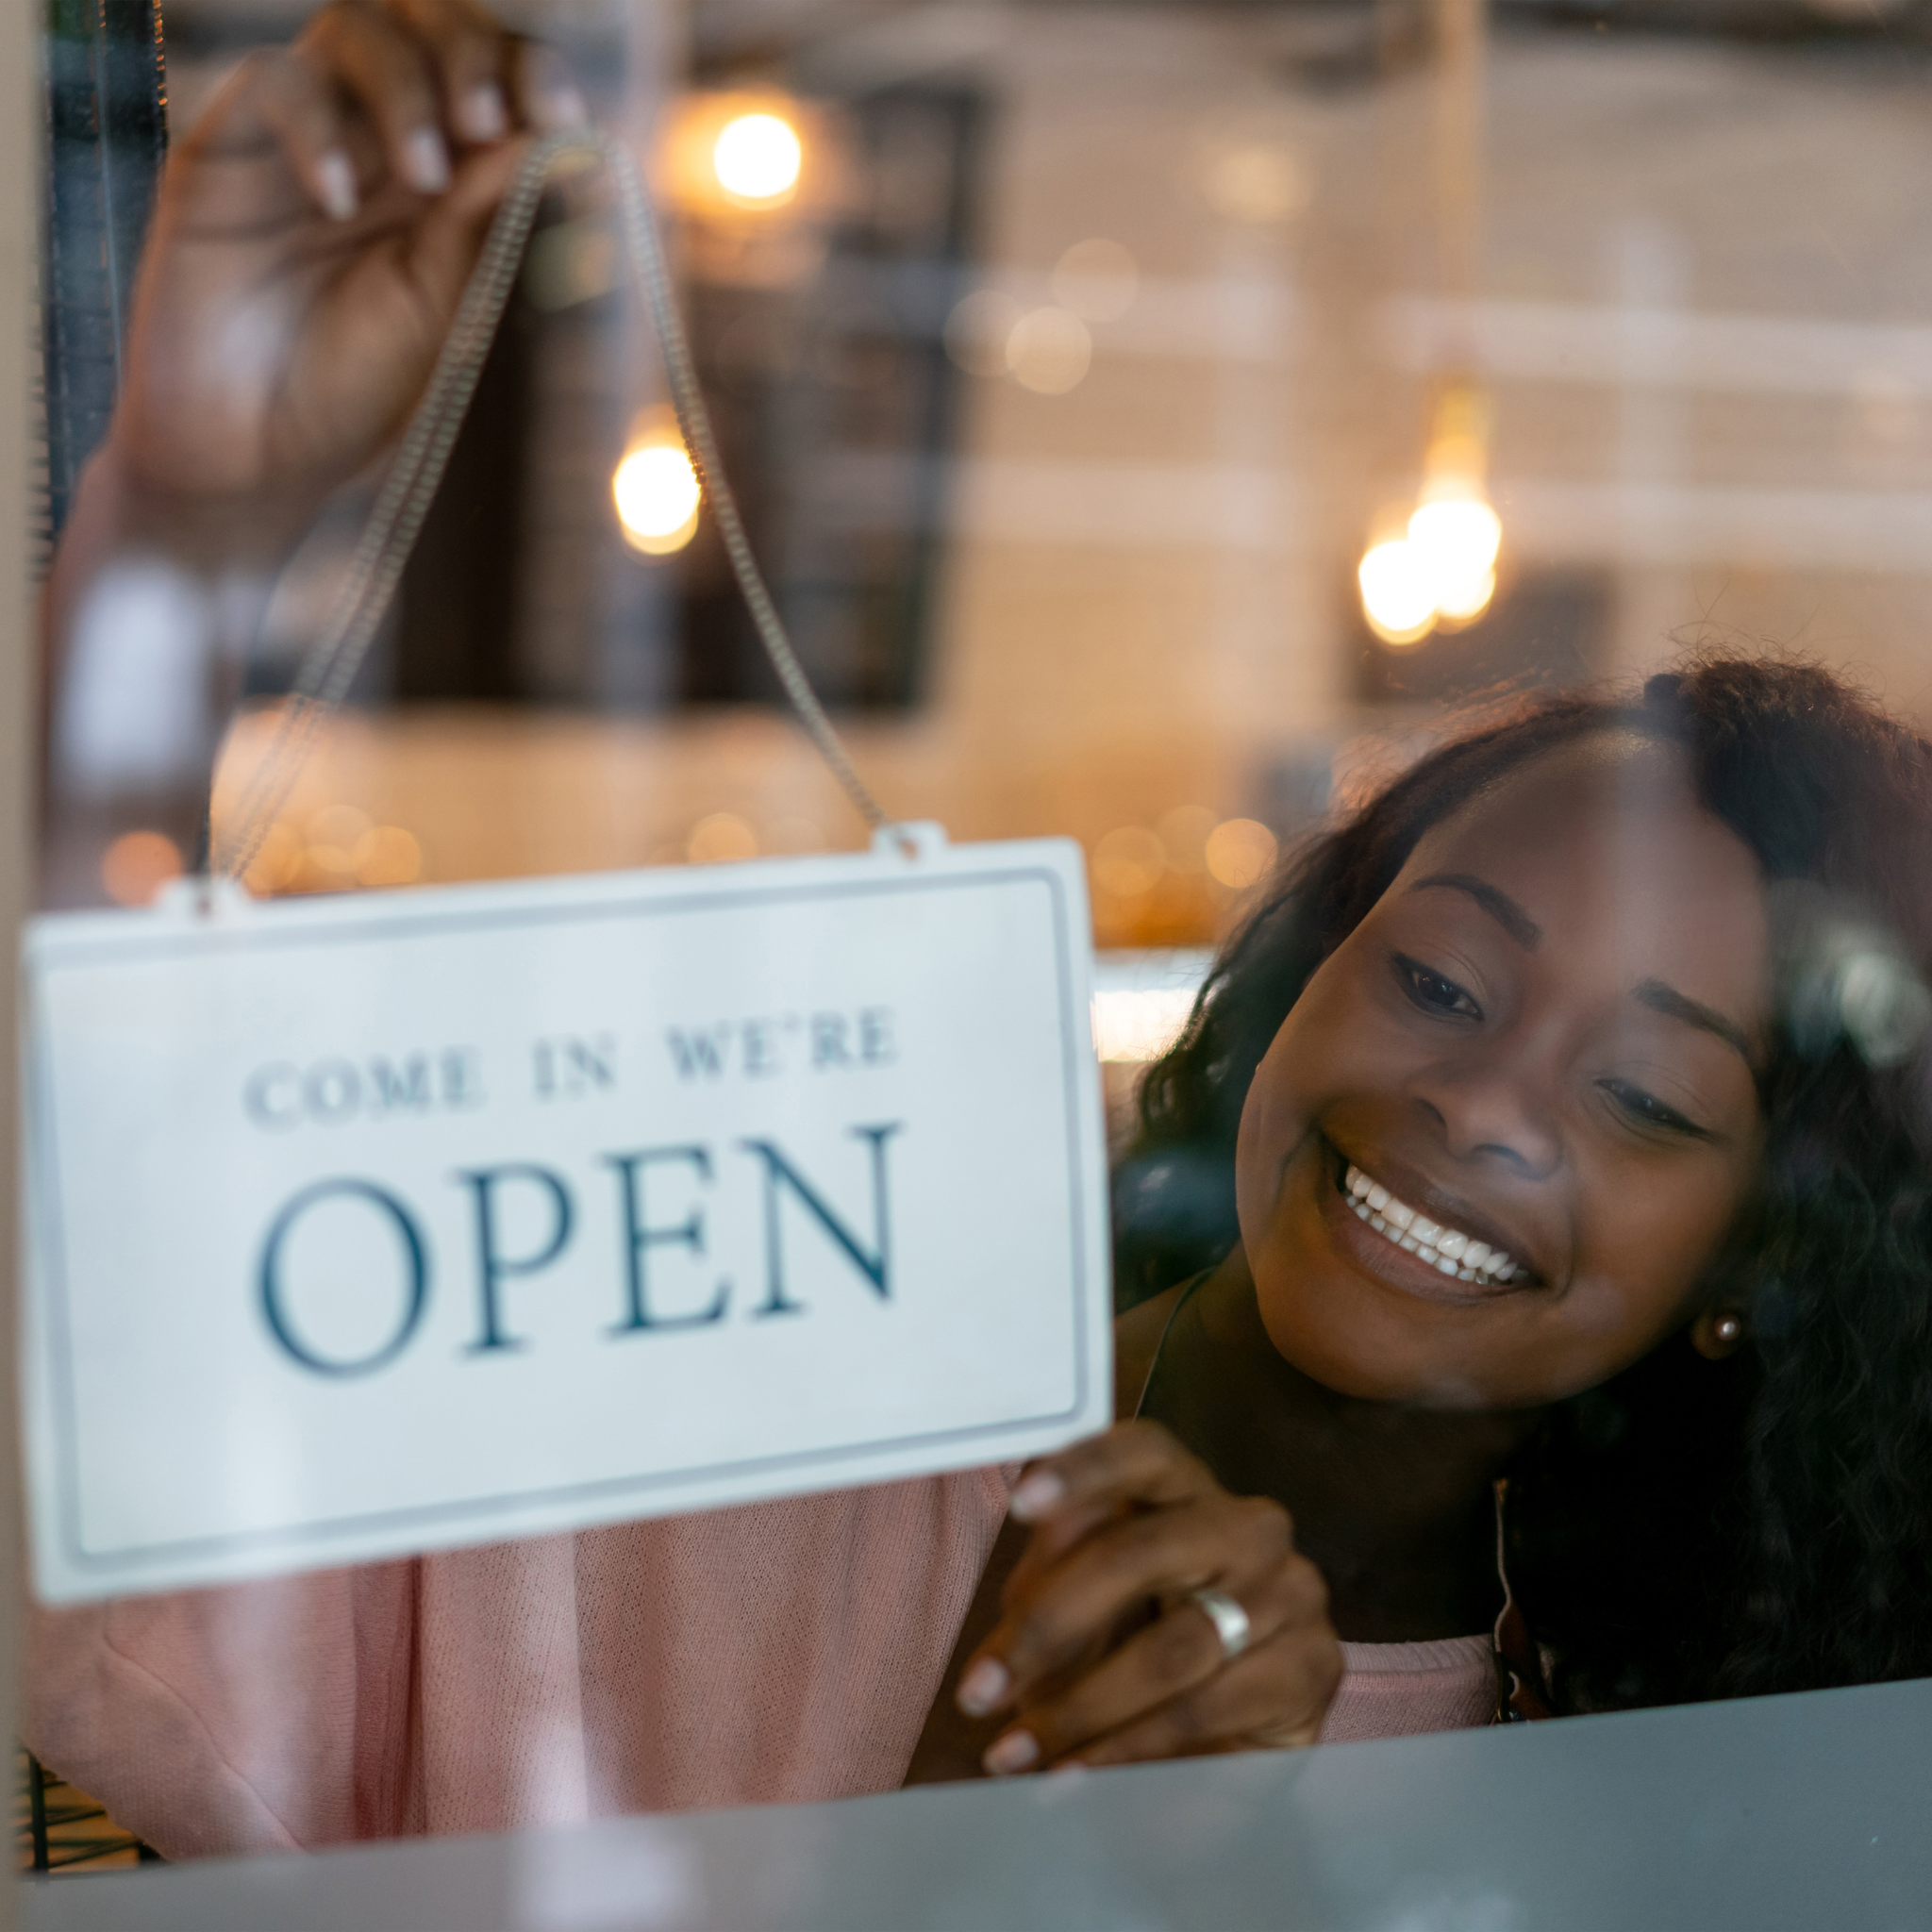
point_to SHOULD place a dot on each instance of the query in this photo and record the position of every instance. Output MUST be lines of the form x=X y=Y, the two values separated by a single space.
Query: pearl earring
x=1728 y=1328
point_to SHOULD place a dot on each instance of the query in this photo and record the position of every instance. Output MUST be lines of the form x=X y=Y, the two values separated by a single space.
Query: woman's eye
x=1432 y=992
x=1649 y=1111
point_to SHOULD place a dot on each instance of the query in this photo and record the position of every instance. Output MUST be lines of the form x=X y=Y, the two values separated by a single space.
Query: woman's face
x=1536 y=1050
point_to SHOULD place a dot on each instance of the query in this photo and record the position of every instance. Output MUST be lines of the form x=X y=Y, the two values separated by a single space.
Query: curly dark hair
x=1689 y=1530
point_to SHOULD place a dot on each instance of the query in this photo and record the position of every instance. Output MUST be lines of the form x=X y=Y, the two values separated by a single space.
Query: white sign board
x=377 y=1225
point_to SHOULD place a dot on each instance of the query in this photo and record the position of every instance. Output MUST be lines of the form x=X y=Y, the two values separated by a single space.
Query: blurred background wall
x=1071 y=377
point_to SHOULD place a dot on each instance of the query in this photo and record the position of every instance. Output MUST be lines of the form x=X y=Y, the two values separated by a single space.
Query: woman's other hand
x=1102 y=1654
x=312 y=240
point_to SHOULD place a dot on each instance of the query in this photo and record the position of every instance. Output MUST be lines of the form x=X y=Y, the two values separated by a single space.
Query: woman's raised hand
x=312 y=240
x=1102 y=1654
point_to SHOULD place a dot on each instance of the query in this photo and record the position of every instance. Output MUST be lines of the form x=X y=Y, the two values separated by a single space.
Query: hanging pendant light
x=1438 y=571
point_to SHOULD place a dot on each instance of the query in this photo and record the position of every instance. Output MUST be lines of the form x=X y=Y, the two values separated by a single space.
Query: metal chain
x=395 y=520
x=694 y=421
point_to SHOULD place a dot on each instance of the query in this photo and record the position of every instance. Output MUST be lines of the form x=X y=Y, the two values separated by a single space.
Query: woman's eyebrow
x=1498 y=905
x=1664 y=999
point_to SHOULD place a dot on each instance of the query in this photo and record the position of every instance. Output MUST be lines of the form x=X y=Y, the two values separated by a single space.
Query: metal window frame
x=20 y=71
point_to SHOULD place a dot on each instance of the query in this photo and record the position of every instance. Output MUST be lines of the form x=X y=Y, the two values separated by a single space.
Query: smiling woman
x=1532 y=1141
x=1502 y=1045
x=1545 y=1166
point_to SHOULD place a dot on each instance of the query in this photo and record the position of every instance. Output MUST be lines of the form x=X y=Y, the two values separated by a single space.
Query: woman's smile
x=1443 y=1246
x=1396 y=1252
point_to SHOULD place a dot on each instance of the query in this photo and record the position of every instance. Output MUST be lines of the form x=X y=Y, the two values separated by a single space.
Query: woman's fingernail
x=984 y=1687
x=426 y=160
x=1036 y=1494
x=335 y=181
x=483 y=115
x=1014 y=1751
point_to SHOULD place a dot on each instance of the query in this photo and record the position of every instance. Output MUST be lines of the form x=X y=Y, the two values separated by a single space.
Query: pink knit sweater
x=780 y=1652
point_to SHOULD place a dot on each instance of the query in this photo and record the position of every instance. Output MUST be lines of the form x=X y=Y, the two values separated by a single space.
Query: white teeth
x=1447 y=1248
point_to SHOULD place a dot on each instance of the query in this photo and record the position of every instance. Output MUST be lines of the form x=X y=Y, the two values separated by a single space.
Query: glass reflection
x=1521 y=1240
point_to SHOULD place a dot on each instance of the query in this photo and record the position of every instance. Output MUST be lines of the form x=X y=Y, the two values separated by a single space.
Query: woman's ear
x=1717 y=1332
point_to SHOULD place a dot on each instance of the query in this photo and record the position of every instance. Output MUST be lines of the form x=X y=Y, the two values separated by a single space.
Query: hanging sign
x=385 y=1224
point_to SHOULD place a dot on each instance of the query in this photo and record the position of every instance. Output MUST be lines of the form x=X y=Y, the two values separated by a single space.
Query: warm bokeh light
x=331 y=849
x=387 y=855
x=334 y=834
x=1185 y=832
x=1139 y=1025
x=137 y=865
x=1049 y=350
x=655 y=487
x=979 y=328
x=721 y=838
x=1255 y=181
x=1442 y=567
x=1466 y=601
x=1455 y=536
x=1128 y=861
x=1240 y=851
x=1459 y=429
x=1398 y=593
x=1096 y=279
x=757 y=158
x=277 y=862
x=755 y=172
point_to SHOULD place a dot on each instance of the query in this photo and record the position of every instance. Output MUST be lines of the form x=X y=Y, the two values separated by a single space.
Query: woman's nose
x=1491 y=1111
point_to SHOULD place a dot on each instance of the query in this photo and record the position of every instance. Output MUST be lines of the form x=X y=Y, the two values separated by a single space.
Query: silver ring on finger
x=1229 y=1619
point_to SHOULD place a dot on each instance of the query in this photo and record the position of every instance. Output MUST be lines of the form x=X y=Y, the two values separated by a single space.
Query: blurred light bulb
x=757 y=158
x=655 y=490
x=1465 y=601
x=1184 y=832
x=330 y=837
x=279 y=862
x=1049 y=350
x=1128 y=861
x=1255 y=181
x=1096 y=279
x=720 y=838
x=388 y=856
x=1240 y=851
x=1140 y=1026
x=137 y=865
x=978 y=329
x=1398 y=593
x=1457 y=537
